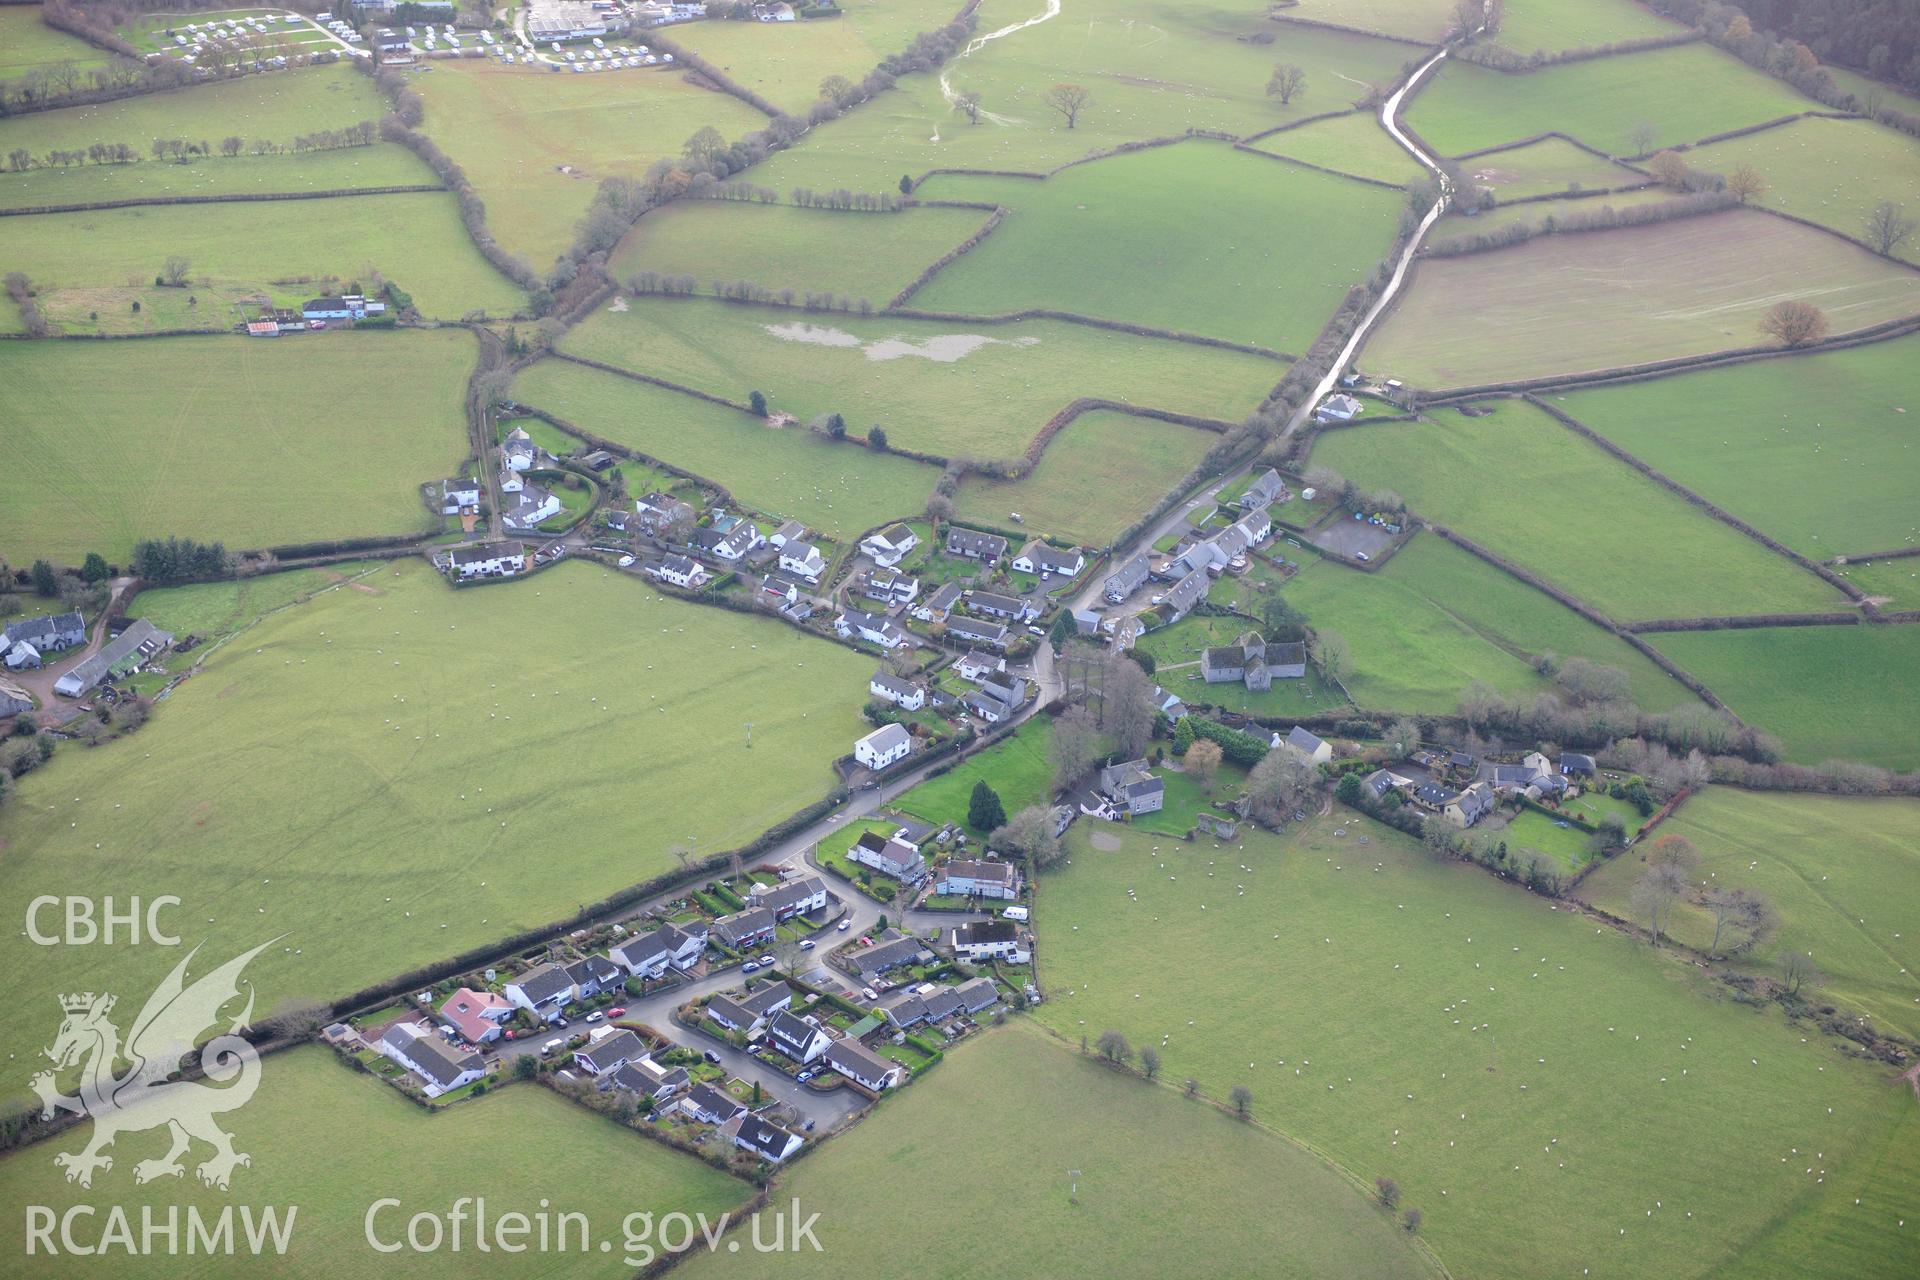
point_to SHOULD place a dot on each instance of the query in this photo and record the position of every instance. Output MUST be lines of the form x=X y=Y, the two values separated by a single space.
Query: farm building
x=127 y=652
x=13 y=699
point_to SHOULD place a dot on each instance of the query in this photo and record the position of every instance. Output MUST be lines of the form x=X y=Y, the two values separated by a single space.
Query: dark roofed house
x=440 y=1066
x=976 y=994
x=1127 y=578
x=978 y=940
x=128 y=651
x=1264 y=491
x=995 y=605
x=862 y=1066
x=1048 y=560
x=768 y=1141
x=975 y=632
x=745 y=929
x=706 y=1103
x=889 y=954
x=1132 y=788
x=49 y=633
x=1572 y=763
x=971 y=544
x=645 y=1076
x=801 y=1039
x=609 y=1052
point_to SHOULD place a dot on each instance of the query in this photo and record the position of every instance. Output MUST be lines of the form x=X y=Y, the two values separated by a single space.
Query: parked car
x=753 y=1046
x=845 y=925
x=1036 y=631
x=869 y=993
x=711 y=1056
x=805 y=1076
x=807 y=1127
x=626 y=562
x=563 y=1021
x=595 y=1016
x=1362 y=556
x=616 y=1011
x=806 y=944
x=751 y=966
x=551 y=1047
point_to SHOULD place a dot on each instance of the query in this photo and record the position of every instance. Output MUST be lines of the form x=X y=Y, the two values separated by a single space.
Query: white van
x=550 y=1048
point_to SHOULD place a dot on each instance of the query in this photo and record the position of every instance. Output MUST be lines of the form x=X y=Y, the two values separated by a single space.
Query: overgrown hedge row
x=946 y=259
x=237 y=198
x=1743 y=622
x=1499 y=58
x=1605 y=218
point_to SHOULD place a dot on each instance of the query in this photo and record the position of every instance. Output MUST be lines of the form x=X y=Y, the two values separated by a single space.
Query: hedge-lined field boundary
x=1741 y=622
x=1319 y=168
x=417 y=188
x=948 y=258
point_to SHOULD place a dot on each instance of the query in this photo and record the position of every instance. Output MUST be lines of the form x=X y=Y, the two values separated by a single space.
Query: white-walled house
x=543 y=991
x=456 y=494
x=488 y=560
x=890 y=545
x=1043 y=558
x=887 y=745
x=904 y=694
x=968 y=878
x=804 y=559
x=440 y=1066
x=978 y=940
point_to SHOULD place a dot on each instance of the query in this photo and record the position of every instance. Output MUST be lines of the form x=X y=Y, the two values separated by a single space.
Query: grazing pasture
x=1426 y=21
x=1547 y=167
x=868 y=256
x=785 y=62
x=216 y=438
x=1554 y=25
x=940 y=386
x=1358 y=992
x=1815 y=450
x=28 y=44
x=1840 y=872
x=1595 y=300
x=1159 y=237
x=535 y=146
x=1833 y=172
x=1896 y=581
x=343 y=771
x=1685 y=93
x=1582 y=520
x=1017 y=767
x=840 y=489
x=1353 y=143
x=384 y=164
x=1133 y=1149
x=211 y=609
x=1434 y=619
x=332 y=1141
x=1826 y=692
x=1095 y=478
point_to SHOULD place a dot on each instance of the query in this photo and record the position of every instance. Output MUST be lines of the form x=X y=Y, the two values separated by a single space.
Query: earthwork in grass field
x=342 y=771
x=1586 y=301
x=945 y=387
x=1841 y=873
x=1826 y=692
x=1424 y=1021
x=218 y=438
x=1815 y=450
x=1159 y=237
x=1582 y=519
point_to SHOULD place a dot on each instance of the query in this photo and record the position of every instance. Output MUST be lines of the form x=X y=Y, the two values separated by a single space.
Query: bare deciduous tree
x=1887 y=227
x=174 y=270
x=1203 y=762
x=1280 y=783
x=1075 y=746
x=1641 y=137
x=1114 y=1048
x=1797 y=968
x=967 y=103
x=1289 y=81
x=1660 y=886
x=1388 y=1192
x=1794 y=323
x=1069 y=100
x=1242 y=1100
x=1745 y=183
x=1149 y=1062
x=1669 y=170
x=1030 y=834
x=1743 y=910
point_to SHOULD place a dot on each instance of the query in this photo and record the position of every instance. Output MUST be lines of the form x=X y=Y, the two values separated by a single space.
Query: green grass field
x=1176 y=652
x=214 y=438
x=1895 y=581
x=1434 y=619
x=28 y=44
x=1839 y=871
x=1354 y=143
x=1817 y=451
x=1553 y=25
x=277 y=108
x=384 y=164
x=1827 y=692
x=1017 y=767
x=375 y=775
x=1546 y=167
x=211 y=609
x=1155 y=237
x=1686 y=93
x=1833 y=172
x=331 y=1142
x=1536 y=213
x=840 y=489
x=536 y=145
x=1137 y=1150
x=103 y=261
x=1422 y=20
x=786 y=61
x=855 y=255
x=1606 y=299
x=1593 y=525
x=941 y=387
x=1357 y=991
x=1096 y=478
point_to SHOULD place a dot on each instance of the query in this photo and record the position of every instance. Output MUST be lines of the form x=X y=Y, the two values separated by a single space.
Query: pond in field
x=946 y=348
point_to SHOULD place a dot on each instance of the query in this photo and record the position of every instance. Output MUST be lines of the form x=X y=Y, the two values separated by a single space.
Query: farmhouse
x=974 y=632
x=1127 y=579
x=1469 y=806
x=476 y=1015
x=745 y=929
x=440 y=1067
x=608 y=1050
x=49 y=633
x=804 y=559
x=488 y=560
x=801 y=1039
x=978 y=940
x=870 y=627
x=1253 y=662
x=1132 y=788
x=127 y=652
x=976 y=666
x=544 y=991
x=766 y=1140
x=969 y=544
x=902 y=693
x=648 y=1078
x=937 y=606
x=994 y=605
x=883 y=747
x=1047 y=560
x=1306 y=744
x=889 y=855
x=890 y=545
x=1266 y=489
x=706 y=1103
x=968 y=878
x=863 y=1066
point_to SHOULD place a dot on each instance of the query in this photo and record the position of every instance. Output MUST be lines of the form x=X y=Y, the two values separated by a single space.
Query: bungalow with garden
x=710 y=1105
x=801 y=1039
x=768 y=1141
x=889 y=953
x=977 y=666
x=476 y=1015
x=744 y=929
x=441 y=1067
x=890 y=545
x=970 y=544
x=976 y=994
x=1132 y=789
x=649 y=1079
x=995 y=605
x=904 y=694
x=937 y=606
x=884 y=747
x=609 y=1049
x=971 y=631
x=543 y=991
x=871 y=627
x=978 y=940
x=968 y=878
x=890 y=856
x=863 y=1066
x=1049 y=561
x=1339 y=407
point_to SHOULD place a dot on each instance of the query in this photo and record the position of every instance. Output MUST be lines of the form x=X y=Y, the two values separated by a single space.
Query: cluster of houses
x=24 y=645
x=123 y=655
x=524 y=503
x=316 y=313
x=1427 y=780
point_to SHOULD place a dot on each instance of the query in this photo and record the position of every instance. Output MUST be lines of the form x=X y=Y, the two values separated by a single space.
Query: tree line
x=181 y=150
x=169 y=560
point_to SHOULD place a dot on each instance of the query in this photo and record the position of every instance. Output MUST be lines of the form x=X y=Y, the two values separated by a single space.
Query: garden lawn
x=332 y=1141
x=1555 y=25
x=1546 y=167
x=1434 y=619
x=1825 y=692
x=212 y=609
x=106 y=260
x=1159 y=237
x=385 y=164
x=1095 y=479
x=1594 y=300
x=1186 y=799
x=1817 y=451
x=216 y=438
x=948 y=388
x=1833 y=172
x=1686 y=93
x=786 y=61
x=1018 y=767
x=1582 y=520
x=1353 y=143
x=1627 y=1088
x=1840 y=871
x=862 y=256
x=347 y=769
x=1133 y=1150
x=535 y=145
x=841 y=489
x=1531 y=830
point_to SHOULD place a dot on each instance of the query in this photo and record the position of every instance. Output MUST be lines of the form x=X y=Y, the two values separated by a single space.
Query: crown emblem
x=83 y=1003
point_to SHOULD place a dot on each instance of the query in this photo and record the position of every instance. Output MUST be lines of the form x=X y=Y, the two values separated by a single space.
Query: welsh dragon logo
x=143 y=1098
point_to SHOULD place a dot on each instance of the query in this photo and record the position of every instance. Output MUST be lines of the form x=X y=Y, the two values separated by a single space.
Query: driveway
x=39 y=683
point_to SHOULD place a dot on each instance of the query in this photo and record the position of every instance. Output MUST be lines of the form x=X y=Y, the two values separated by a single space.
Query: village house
x=650 y=955
x=777 y=593
x=1339 y=407
x=888 y=954
x=1168 y=704
x=458 y=495
x=593 y=975
x=976 y=994
x=871 y=627
x=1313 y=748
x=979 y=940
x=885 y=746
x=1469 y=806
x=517 y=451
x=658 y=511
x=995 y=703
x=1253 y=662
x=801 y=1039
x=791 y=898
x=891 y=545
x=937 y=607
x=1575 y=765
x=972 y=631
x=1132 y=788
x=1127 y=579
x=749 y=1132
x=890 y=856
x=976 y=666
x=789 y=531
x=26 y=643
x=529 y=507
x=441 y=1067
x=967 y=878
x=969 y=544
x=648 y=1078
x=995 y=605
x=1266 y=489
x=488 y=560
x=863 y=1066
x=904 y=694
x=609 y=1049
x=678 y=571
x=1186 y=593
x=803 y=559
x=710 y=1105
x=125 y=653
x=1049 y=561
x=543 y=991
x=744 y=930
x=729 y=546
x=748 y=1013
x=476 y=1015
